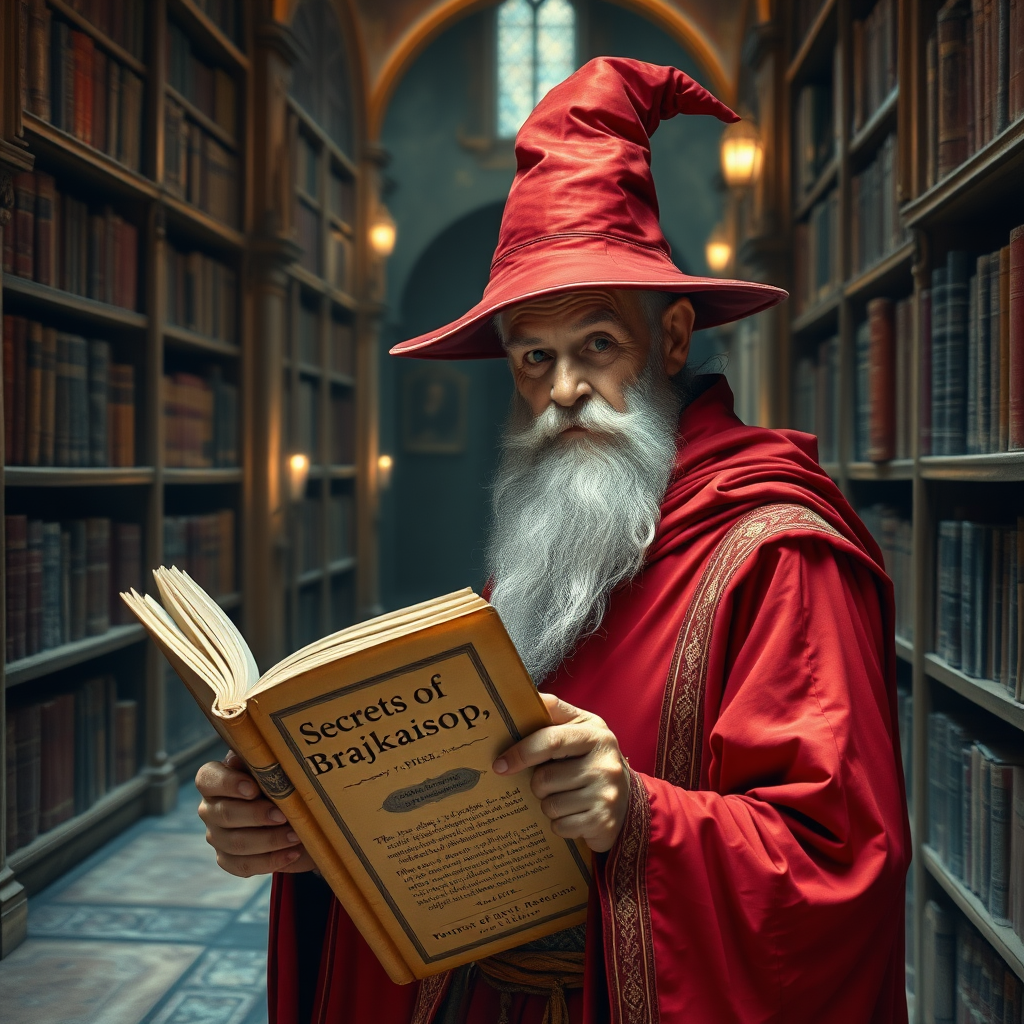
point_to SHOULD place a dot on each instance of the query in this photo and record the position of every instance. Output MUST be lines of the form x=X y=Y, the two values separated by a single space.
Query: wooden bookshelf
x=973 y=208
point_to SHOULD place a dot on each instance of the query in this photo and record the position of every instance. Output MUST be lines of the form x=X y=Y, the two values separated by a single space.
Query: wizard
x=709 y=623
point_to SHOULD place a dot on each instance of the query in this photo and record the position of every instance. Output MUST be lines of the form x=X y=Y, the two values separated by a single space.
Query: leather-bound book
x=11 y=785
x=8 y=371
x=48 y=396
x=45 y=240
x=15 y=584
x=377 y=743
x=99 y=99
x=78 y=579
x=1015 y=339
x=82 y=48
x=1015 y=57
x=126 y=716
x=125 y=568
x=56 y=800
x=39 y=59
x=24 y=224
x=19 y=402
x=27 y=739
x=953 y=83
x=34 y=386
x=881 y=381
x=97 y=553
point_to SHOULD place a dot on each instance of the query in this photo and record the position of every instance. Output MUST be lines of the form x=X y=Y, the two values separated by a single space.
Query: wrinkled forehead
x=568 y=309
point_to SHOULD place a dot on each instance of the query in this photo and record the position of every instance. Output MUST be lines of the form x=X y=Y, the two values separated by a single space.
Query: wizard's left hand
x=581 y=776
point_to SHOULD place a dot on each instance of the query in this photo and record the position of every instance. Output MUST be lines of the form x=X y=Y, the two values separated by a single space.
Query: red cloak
x=749 y=675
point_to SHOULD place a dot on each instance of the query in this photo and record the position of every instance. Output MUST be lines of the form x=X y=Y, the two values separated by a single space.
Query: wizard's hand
x=580 y=776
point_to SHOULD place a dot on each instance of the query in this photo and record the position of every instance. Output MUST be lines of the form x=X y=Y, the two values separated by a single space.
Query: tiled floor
x=146 y=931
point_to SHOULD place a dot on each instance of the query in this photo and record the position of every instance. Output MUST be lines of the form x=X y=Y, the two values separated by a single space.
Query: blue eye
x=535 y=356
x=601 y=344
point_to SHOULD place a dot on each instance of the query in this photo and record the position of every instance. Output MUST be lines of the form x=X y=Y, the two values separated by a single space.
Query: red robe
x=749 y=676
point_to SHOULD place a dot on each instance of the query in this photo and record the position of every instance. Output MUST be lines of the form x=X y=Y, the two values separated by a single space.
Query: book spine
x=983 y=352
x=51 y=625
x=65 y=586
x=99 y=386
x=34 y=384
x=45 y=250
x=966 y=792
x=994 y=369
x=15 y=584
x=8 y=369
x=1015 y=340
x=35 y=637
x=972 y=366
x=952 y=764
x=1001 y=100
x=97 y=532
x=48 y=386
x=1016 y=896
x=1001 y=810
x=11 y=788
x=881 y=380
x=937 y=724
x=950 y=543
x=19 y=403
x=28 y=737
x=957 y=266
x=39 y=59
x=953 y=115
x=23 y=224
x=1004 y=349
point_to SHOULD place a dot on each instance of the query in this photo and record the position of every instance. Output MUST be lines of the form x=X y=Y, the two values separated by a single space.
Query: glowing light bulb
x=742 y=154
x=383 y=233
x=718 y=250
x=384 y=466
x=298 y=474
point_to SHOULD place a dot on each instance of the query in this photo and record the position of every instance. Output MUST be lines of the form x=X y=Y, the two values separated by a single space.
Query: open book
x=377 y=743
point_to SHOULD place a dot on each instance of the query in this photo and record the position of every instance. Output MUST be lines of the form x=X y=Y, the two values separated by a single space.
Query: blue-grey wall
x=447 y=205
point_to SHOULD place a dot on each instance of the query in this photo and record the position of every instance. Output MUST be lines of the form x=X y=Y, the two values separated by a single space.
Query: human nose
x=569 y=386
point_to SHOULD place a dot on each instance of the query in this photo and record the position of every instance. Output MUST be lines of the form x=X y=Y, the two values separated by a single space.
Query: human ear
x=676 y=329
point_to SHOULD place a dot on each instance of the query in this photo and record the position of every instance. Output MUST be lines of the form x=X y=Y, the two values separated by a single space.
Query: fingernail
x=292 y=837
x=276 y=816
x=500 y=766
x=292 y=855
x=247 y=789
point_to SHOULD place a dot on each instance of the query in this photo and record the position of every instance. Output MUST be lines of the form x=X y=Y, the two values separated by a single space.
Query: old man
x=705 y=614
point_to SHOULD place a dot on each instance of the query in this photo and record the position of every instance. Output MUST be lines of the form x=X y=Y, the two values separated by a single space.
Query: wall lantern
x=384 y=466
x=383 y=232
x=742 y=154
x=718 y=250
x=298 y=474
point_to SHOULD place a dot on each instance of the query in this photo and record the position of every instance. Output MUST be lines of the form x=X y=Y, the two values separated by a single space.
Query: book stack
x=975 y=79
x=879 y=229
x=72 y=81
x=874 y=60
x=204 y=547
x=814 y=137
x=342 y=525
x=65 y=402
x=202 y=295
x=816 y=264
x=883 y=350
x=973 y=341
x=978 y=611
x=972 y=824
x=816 y=398
x=198 y=166
x=894 y=533
x=64 y=753
x=59 y=241
x=59 y=579
x=200 y=421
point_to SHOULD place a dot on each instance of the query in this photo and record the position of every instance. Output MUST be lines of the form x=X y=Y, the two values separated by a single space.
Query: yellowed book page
x=391 y=748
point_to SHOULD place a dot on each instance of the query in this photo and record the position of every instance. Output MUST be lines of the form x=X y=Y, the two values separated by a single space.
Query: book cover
x=377 y=743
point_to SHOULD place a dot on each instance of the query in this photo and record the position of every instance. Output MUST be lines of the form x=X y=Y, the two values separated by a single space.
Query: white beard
x=574 y=515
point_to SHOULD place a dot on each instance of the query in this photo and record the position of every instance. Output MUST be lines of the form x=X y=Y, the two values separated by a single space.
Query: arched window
x=320 y=80
x=536 y=48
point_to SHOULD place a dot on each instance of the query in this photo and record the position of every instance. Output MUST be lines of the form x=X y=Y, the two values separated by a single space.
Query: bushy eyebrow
x=603 y=315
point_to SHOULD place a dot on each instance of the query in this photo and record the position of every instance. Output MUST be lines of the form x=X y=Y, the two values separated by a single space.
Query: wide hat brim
x=576 y=262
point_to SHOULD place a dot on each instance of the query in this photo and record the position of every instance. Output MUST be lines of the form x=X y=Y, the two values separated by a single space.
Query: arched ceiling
x=393 y=32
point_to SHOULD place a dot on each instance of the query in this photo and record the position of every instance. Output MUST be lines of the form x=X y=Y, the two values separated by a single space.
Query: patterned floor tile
x=164 y=869
x=189 y=1006
x=230 y=968
x=151 y=923
x=258 y=912
x=46 y=981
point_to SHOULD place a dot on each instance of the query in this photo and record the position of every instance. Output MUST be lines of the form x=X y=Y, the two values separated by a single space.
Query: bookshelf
x=835 y=127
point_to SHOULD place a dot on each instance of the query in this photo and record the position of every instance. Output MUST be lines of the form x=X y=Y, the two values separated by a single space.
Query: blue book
x=958 y=274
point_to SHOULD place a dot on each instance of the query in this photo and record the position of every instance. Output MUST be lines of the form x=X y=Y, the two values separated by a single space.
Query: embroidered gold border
x=429 y=996
x=629 y=945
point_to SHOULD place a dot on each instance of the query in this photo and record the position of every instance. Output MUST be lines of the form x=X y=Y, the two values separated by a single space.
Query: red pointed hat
x=582 y=211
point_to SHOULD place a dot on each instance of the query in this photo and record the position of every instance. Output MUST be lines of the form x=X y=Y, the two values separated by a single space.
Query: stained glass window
x=536 y=50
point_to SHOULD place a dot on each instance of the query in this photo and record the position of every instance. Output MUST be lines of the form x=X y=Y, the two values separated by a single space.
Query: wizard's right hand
x=248 y=831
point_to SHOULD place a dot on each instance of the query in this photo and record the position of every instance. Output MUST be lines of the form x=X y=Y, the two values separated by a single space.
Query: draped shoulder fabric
x=749 y=675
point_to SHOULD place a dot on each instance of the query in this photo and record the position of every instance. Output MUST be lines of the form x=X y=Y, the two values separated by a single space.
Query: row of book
x=816 y=398
x=200 y=420
x=973 y=825
x=59 y=241
x=814 y=137
x=64 y=753
x=202 y=295
x=975 y=79
x=978 y=613
x=963 y=978
x=122 y=21
x=874 y=60
x=204 y=547
x=62 y=579
x=198 y=168
x=883 y=354
x=894 y=533
x=973 y=352
x=309 y=533
x=817 y=272
x=65 y=402
x=211 y=90
x=878 y=228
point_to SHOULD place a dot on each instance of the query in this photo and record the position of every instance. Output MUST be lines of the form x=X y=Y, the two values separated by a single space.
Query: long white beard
x=574 y=515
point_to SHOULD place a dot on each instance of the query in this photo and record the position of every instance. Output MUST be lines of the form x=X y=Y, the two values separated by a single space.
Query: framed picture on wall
x=435 y=402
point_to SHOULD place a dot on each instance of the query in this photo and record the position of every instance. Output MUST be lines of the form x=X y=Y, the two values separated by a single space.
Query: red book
x=23 y=223
x=99 y=100
x=1016 y=340
x=16 y=540
x=882 y=381
x=82 y=49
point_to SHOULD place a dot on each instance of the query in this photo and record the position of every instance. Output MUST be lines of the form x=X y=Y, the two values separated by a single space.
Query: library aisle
x=148 y=930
